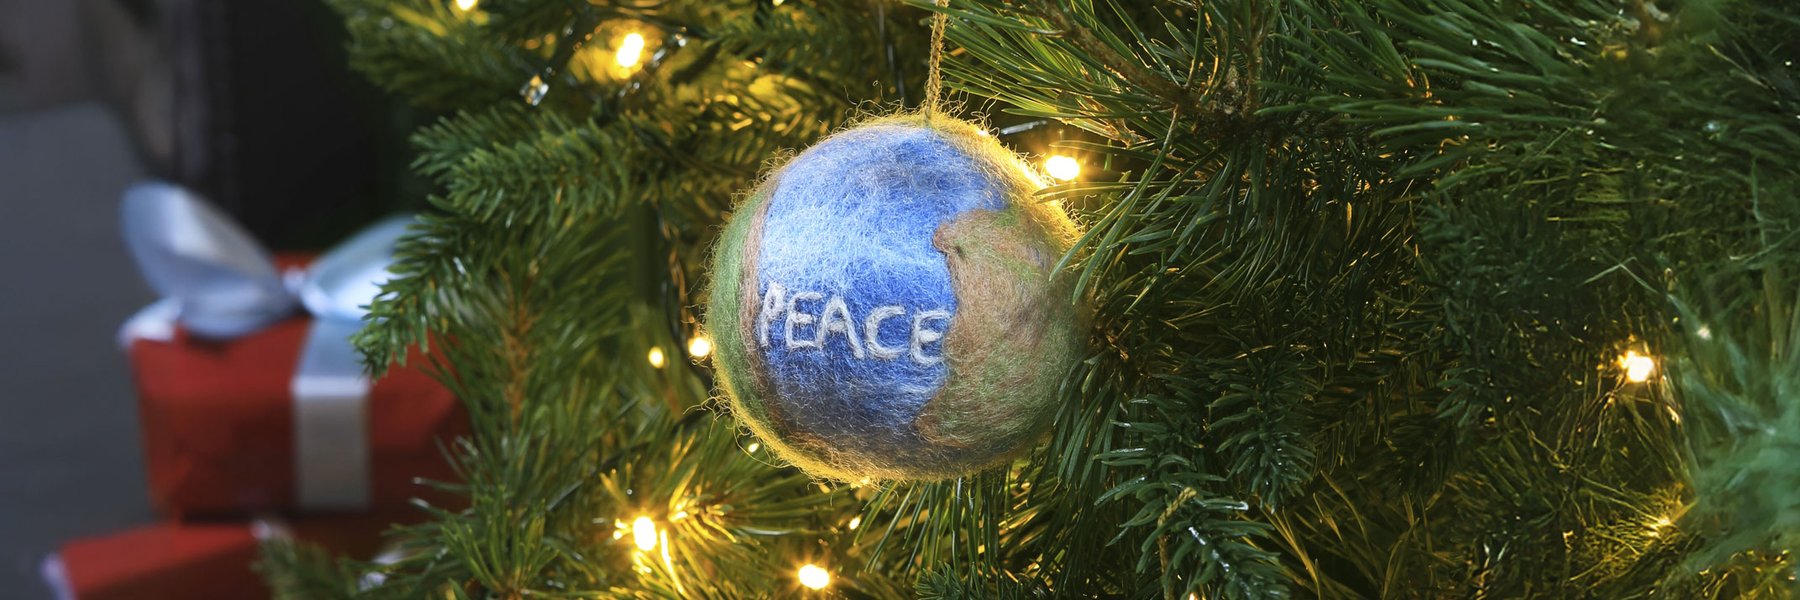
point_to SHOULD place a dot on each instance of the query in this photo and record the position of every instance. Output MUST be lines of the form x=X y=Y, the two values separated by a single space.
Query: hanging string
x=934 y=79
x=1162 y=543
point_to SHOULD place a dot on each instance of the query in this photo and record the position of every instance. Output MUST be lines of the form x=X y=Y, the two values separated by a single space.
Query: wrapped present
x=194 y=560
x=251 y=396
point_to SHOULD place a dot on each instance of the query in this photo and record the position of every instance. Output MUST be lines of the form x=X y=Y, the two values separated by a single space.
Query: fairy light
x=643 y=533
x=855 y=521
x=656 y=358
x=699 y=347
x=465 y=5
x=630 y=50
x=1065 y=168
x=814 y=577
x=1661 y=523
x=1637 y=366
x=754 y=446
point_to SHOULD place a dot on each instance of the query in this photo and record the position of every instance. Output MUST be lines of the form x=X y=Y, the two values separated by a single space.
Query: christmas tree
x=1391 y=298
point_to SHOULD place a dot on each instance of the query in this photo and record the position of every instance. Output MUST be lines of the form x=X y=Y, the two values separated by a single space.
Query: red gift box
x=219 y=423
x=182 y=561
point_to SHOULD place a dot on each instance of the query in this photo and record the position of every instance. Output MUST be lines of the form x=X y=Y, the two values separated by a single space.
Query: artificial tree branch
x=1132 y=72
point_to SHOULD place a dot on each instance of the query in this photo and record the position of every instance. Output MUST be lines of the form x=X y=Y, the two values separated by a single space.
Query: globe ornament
x=886 y=305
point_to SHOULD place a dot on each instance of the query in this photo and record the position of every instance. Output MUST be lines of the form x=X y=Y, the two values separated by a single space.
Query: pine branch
x=420 y=49
x=295 y=570
x=1364 y=272
x=1128 y=69
x=943 y=584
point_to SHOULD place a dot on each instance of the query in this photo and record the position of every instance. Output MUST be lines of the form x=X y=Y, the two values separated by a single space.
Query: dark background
x=248 y=102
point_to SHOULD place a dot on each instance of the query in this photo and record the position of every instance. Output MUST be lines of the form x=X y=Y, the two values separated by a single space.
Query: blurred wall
x=70 y=462
x=41 y=63
x=249 y=102
x=246 y=101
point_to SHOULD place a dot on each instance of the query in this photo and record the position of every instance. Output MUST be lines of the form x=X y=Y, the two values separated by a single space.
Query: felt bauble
x=886 y=304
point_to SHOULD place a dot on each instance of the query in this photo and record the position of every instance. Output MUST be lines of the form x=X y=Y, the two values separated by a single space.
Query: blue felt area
x=853 y=217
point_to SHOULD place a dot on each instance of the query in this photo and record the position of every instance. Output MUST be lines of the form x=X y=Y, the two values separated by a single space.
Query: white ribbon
x=218 y=283
x=331 y=420
x=56 y=576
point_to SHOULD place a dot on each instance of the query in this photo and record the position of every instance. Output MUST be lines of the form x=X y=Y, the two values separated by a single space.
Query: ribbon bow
x=219 y=284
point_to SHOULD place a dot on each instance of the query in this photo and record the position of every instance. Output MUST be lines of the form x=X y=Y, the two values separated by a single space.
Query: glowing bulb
x=656 y=358
x=855 y=521
x=699 y=347
x=643 y=532
x=630 y=50
x=753 y=447
x=1062 y=167
x=814 y=577
x=1661 y=523
x=1637 y=366
x=465 y=5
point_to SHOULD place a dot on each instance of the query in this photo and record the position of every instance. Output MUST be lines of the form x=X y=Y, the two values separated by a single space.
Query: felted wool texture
x=899 y=217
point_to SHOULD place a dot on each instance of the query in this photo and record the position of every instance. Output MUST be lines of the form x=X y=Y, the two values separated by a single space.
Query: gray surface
x=70 y=462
